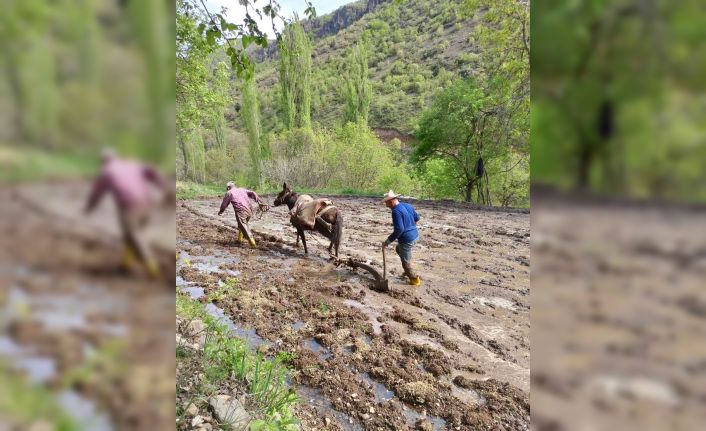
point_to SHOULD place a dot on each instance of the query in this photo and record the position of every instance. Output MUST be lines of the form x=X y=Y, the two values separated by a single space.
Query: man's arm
x=224 y=204
x=397 y=223
x=252 y=195
x=416 y=216
x=100 y=186
x=153 y=176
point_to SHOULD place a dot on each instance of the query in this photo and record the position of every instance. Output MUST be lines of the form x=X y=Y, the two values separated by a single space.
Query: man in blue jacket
x=404 y=219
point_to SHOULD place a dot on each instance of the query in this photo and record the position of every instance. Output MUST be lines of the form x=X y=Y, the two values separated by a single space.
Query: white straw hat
x=389 y=196
x=230 y=184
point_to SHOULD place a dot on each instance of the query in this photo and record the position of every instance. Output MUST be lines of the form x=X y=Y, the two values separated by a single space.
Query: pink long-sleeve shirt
x=240 y=199
x=129 y=181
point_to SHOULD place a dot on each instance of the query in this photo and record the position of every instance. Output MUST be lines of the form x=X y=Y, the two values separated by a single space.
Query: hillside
x=415 y=47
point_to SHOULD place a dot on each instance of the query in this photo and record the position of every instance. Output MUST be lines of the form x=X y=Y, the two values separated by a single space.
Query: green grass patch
x=225 y=359
x=27 y=164
x=191 y=190
x=23 y=404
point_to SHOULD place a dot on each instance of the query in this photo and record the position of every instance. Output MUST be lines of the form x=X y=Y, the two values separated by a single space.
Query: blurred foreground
x=618 y=311
x=83 y=344
x=74 y=322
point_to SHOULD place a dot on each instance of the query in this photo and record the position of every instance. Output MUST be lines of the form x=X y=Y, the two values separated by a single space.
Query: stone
x=196 y=421
x=196 y=330
x=192 y=410
x=229 y=410
x=424 y=425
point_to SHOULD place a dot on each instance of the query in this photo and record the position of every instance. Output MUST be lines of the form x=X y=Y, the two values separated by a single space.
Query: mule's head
x=282 y=197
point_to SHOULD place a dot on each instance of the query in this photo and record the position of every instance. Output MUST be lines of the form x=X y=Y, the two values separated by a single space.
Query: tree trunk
x=584 y=168
x=469 y=191
x=17 y=95
x=488 y=201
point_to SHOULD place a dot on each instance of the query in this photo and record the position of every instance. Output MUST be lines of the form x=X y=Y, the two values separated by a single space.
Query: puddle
x=321 y=351
x=323 y=406
x=219 y=315
x=38 y=369
x=372 y=314
x=84 y=412
x=468 y=396
x=250 y=335
x=494 y=302
x=194 y=292
x=298 y=325
x=208 y=264
x=413 y=416
x=424 y=340
x=382 y=394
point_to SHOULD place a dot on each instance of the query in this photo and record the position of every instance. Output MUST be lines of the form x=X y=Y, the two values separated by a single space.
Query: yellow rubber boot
x=128 y=259
x=152 y=268
x=240 y=237
x=416 y=281
x=252 y=243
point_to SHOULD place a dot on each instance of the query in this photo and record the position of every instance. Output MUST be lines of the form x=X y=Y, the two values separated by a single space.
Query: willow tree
x=295 y=76
x=358 y=91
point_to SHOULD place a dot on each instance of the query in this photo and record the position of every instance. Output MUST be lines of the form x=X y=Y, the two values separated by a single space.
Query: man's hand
x=385 y=243
x=263 y=207
x=220 y=212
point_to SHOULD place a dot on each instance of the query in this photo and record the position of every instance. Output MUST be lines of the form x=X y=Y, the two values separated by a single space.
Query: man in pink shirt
x=240 y=199
x=129 y=183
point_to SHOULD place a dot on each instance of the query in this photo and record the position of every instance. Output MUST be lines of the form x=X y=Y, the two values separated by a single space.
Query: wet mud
x=73 y=320
x=451 y=354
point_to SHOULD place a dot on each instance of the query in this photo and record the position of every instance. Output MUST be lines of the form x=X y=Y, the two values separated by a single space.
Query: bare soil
x=451 y=354
x=73 y=320
x=618 y=315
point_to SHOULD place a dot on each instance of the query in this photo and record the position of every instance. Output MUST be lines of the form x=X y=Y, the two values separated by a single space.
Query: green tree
x=358 y=91
x=193 y=93
x=462 y=127
x=294 y=75
x=251 y=118
x=608 y=82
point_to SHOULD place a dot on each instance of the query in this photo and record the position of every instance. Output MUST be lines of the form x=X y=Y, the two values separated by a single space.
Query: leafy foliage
x=358 y=91
x=294 y=74
x=612 y=85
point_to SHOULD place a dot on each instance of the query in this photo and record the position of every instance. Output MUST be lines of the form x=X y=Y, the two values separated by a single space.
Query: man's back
x=127 y=180
x=404 y=218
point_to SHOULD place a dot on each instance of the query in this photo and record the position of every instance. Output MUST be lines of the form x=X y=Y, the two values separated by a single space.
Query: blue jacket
x=404 y=219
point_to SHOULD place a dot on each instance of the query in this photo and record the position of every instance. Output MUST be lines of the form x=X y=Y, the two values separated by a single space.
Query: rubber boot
x=414 y=279
x=252 y=243
x=152 y=268
x=128 y=259
x=240 y=236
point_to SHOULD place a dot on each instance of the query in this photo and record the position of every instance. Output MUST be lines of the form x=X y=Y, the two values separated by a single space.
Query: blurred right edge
x=618 y=223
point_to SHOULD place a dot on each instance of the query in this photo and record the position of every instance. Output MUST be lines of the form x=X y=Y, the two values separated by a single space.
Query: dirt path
x=72 y=320
x=453 y=354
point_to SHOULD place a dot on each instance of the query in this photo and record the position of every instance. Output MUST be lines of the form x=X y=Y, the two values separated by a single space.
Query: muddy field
x=73 y=321
x=618 y=315
x=451 y=354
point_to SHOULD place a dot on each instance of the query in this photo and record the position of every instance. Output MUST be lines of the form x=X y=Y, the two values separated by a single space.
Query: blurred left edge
x=87 y=224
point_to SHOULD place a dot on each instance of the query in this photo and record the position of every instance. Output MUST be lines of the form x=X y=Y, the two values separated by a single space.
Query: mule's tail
x=338 y=231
